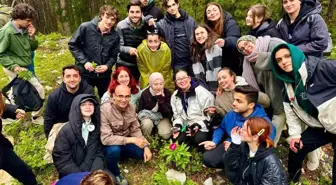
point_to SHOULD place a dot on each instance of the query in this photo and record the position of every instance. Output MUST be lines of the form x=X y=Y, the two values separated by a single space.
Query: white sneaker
x=38 y=120
x=314 y=159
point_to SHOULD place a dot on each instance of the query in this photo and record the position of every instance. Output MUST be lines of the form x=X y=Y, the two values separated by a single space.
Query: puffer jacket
x=310 y=32
x=188 y=108
x=314 y=106
x=268 y=27
x=89 y=45
x=264 y=168
x=149 y=61
x=71 y=154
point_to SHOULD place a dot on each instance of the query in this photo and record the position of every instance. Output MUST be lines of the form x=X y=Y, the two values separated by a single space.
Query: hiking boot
x=121 y=180
x=38 y=120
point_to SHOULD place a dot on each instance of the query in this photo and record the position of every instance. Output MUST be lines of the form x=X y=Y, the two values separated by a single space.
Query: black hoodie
x=71 y=154
x=59 y=103
x=267 y=27
x=264 y=168
x=153 y=10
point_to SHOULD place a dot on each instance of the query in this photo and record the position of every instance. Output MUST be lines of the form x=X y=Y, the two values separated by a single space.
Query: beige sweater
x=116 y=126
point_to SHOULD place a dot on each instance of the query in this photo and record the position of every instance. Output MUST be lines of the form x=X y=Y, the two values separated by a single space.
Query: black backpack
x=25 y=95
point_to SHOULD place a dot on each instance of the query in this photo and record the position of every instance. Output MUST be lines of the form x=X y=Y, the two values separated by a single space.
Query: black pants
x=312 y=138
x=214 y=158
x=193 y=141
x=134 y=70
x=13 y=165
x=100 y=83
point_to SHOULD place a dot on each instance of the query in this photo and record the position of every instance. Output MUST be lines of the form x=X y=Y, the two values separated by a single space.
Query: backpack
x=25 y=95
x=5 y=14
x=310 y=20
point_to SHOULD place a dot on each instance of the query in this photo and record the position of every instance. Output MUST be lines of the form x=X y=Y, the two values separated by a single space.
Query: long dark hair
x=208 y=44
x=217 y=26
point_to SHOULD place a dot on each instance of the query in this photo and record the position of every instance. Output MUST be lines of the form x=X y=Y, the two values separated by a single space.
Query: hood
x=267 y=24
x=95 y=21
x=190 y=92
x=308 y=7
x=82 y=86
x=227 y=17
x=75 y=115
x=262 y=152
x=257 y=112
x=150 y=5
x=297 y=59
x=128 y=21
x=169 y=18
x=240 y=81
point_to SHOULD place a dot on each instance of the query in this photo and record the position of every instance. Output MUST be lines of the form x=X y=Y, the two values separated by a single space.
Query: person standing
x=95 y=46
x=17 y=40
x=149 y=8
x=131 y=31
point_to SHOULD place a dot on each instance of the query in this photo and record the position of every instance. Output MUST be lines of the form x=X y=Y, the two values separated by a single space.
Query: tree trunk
x=64 y=17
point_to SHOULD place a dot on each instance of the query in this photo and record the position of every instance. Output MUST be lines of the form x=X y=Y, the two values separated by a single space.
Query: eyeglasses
x=126 y=97
x=242 y=49
x=181 y=79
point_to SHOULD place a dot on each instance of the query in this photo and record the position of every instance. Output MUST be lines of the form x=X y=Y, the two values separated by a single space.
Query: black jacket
x=59 y=104
x=166 y=29
x=9 y=112
x=264 y=168
x=230 y=55
x=148 y=102
x=153 y=10
x=268 y=27
x=88 y=44
x=70 y=153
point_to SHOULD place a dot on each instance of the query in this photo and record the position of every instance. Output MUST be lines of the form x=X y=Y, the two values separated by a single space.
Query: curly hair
x=23 y=11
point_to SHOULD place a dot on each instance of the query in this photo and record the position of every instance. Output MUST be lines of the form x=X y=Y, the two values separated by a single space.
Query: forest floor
x=29 y=139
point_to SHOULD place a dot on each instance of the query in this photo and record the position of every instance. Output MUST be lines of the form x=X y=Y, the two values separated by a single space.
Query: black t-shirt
x=181 y=45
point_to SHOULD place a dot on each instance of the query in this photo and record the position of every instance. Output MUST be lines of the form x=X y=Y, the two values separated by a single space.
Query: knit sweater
x=15 y=48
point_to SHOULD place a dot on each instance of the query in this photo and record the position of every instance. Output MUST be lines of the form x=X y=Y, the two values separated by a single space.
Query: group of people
x=226 y=95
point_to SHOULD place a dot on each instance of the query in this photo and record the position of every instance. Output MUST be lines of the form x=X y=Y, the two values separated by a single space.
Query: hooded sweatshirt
x=233 y=119
x=267 y=27
x=294 y=78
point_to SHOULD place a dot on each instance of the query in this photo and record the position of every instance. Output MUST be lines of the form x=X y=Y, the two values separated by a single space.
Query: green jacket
x=15 y=48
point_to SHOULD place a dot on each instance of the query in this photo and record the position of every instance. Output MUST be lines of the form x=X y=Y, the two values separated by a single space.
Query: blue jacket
x=233 y=119
x=73 y=179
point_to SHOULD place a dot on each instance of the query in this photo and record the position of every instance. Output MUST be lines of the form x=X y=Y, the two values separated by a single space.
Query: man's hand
x=175 y=134
x=31 y=30
x=133 y=51
x=147 y=154
x=140 y=142
x=20 y=114
x=101 y=69
x=226 y=145
x=151 y=22
x=208 y=145
x=19 y=69
x=220 y=42
x=88 y=66
x=193 y=131
x=292 y=144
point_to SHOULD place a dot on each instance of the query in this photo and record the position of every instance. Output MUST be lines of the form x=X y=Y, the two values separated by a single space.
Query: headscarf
x=155 y=76
x=249 y=38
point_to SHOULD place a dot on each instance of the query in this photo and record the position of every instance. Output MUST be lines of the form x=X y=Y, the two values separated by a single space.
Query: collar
x=16 y=28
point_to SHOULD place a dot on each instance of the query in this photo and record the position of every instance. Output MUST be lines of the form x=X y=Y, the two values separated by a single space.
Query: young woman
x=206 y=56
x=155 y=108
x=9 y=161
x=188 y=103
x=122 y=75
x=227 y=28
x=258 y=73
x=253 y=161
x=78 y=147
x=227 y=81
x=154 y=56
x=303 y=26
x=260 y=23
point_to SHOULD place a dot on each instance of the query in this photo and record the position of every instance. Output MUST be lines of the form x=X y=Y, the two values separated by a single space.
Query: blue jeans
x=114 y=152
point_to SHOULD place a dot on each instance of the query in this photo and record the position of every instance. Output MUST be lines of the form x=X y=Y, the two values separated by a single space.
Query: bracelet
x=146 y=145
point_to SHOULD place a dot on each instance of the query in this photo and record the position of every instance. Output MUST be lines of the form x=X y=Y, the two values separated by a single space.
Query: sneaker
x=314 y=159
x=38 y=120
x=121 y=180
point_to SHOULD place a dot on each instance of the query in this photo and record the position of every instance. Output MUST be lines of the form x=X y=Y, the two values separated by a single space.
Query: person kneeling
x=78 y=147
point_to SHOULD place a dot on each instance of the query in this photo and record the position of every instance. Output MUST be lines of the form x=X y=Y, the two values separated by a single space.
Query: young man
x=244 y=106
x=303 y=26
x=149 y=8
x=121 y=133
x=131 y=31
x=97 y=41
x=309 y=103
x=59 y=101
x=177 y=28
x=17 y=40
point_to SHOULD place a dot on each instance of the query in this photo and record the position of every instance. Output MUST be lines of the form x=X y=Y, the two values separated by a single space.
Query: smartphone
x=297 y=146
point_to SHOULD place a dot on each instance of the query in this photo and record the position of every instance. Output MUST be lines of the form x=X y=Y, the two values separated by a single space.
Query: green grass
x=51 y=56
